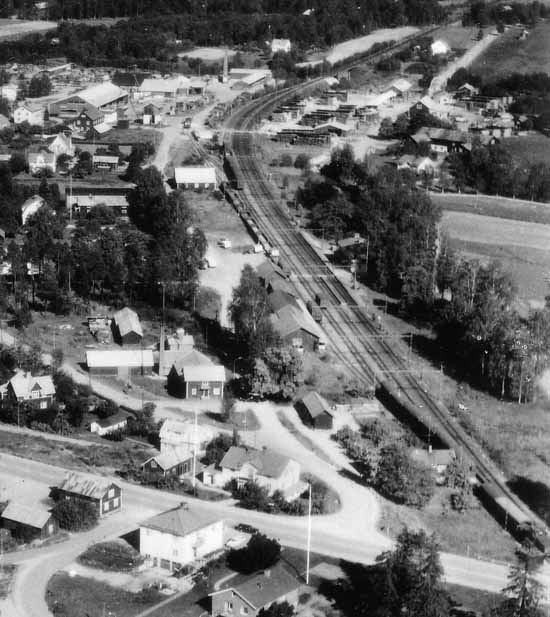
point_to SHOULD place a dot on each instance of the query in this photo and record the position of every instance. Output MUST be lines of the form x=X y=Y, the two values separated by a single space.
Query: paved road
x=27 y=599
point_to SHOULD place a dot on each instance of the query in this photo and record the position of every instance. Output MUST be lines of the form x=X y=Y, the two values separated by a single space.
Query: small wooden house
x=314 y=411
x=28 y=523
x=105 y=495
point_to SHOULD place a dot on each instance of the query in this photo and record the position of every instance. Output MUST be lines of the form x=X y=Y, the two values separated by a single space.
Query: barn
x=28 y=523
x=314 y=411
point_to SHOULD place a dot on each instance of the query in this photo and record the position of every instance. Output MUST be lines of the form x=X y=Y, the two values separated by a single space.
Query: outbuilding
x=104 y=495
x=172 y=461
x=314 y=411
x=119 y=362
x=112 y=424
x=127 y=327
x=198 y=178
x=28 y=523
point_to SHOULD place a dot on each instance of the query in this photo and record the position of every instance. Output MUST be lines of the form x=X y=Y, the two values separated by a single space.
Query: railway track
x=355 y=338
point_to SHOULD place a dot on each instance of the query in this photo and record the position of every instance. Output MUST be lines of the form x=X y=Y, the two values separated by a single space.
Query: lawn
x=76 y=596
x=508 y=54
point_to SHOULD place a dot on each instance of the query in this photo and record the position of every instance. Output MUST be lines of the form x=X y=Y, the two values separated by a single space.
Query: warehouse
x=119 y=362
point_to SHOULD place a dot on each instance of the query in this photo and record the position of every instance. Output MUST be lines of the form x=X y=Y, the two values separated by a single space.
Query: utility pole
x=308 y=535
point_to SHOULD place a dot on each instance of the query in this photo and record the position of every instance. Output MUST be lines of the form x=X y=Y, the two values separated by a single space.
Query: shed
x=127 y=327
x=28 y=523
x=112 y=424
x=314 y=411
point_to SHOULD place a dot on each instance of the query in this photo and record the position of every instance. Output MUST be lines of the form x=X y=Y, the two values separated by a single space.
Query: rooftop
x=24 y=384
x=85 y=484
x=204 y=372
x=267 y=462
x=195 y=175
x=111 y=358
x=101 y=94
x=315 y=404
x=180 y=521
x=171 y=456
x=127 y=321
x=36 y=516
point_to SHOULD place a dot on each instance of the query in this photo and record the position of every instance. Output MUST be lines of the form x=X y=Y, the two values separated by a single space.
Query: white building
x=179 y=537
x=168 y=89
x=195 y=177
x=9 y=92
x=439 y=48
x=178 y=433
x=283 y=45
x=33 y=114
x=112 y=424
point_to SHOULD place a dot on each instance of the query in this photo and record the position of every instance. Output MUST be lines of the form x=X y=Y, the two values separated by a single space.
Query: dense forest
x=149 y=34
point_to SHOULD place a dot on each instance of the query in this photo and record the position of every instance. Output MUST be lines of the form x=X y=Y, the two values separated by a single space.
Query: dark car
x=246 y=528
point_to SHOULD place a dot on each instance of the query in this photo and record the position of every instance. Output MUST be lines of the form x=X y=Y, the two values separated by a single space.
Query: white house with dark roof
x=267 y=468
x=62 y=144
x=23 y=387
x=180 y=536
x=196 y=177
x=112 y=424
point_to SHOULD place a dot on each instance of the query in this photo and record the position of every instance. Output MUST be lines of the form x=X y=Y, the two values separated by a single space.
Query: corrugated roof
x=195 y=175
x=24 y=383
x=315 y=404
x=101 y=94
x=180 y=521
x=204 y=372
x=266 y=587
x=127 y=321
x=267 y=462
x=113 y=358
x=36 y=516
x=85 y=484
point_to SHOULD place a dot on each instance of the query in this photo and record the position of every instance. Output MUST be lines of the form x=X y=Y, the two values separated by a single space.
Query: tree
x=278 y=609
x=399 y=478
x=216 y=448
x=148 y=203
x=249 y=313
x=40 y=85
x=252 y=496
x=75 y=515
x=411 y=578
x=523 y=589
x=106 y=409
x=277 y=373
x=458 y=476
x=260 y=553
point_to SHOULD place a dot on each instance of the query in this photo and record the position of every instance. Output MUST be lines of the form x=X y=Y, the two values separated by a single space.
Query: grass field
x=533 y=148
x=16 y=28
x=508 y=54
x=523 y=248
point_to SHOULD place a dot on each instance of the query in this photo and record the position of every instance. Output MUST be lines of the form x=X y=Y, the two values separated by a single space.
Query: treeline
x=485 y=13
x=150 y=35
x=470 y=305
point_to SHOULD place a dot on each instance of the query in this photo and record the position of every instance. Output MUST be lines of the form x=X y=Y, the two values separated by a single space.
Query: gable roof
x=193 y=358
x=289 y=319
x=101 y=94
x=128 y=79
x=165 y=85
x=268 y=270
x=24 y=383
x=195 y=175
x=85 y=484
x=280 y=298
x=315 y=404
x=267 y=462
x=116 y=418
x=171 y=456
x=265 y=587
x=36 y=516
x=402 y=85
x=427 y=133
x=127 y=321
x=179 y=521
x=204 y=372
x=92 y=112
x=111 y=358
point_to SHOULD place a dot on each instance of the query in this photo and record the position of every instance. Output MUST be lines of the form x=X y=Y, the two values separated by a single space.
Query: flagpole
x=308 y=535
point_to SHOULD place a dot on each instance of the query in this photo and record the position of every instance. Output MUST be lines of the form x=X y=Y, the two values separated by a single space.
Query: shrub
x=285 y=160
x=115 y=556
x=261 y=552
x=74 y=515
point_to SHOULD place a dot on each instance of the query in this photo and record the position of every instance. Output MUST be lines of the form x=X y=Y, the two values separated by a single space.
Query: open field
x=508 y=54
x=362 y=44
x=494 y=206
x=532 y=148
x=523 y=248
x=209 y=54
x=16 y=28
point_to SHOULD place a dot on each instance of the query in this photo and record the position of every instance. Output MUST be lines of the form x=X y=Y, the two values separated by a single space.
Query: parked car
x=245 y=528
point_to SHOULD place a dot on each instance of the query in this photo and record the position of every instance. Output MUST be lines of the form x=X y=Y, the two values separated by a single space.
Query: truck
x=321 y=300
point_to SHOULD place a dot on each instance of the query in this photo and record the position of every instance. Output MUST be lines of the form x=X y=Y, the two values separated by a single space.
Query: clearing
x=509 y=54
x=523 y=248
x=360 y=45
x=17 y=28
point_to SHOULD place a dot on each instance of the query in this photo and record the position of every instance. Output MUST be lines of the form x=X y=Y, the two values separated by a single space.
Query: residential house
x=121 y=363
x=112 y=424
x=267 y=468
x=196 y=381
x=280 y=45
x=41 y=161
x=172 y=461
x=105 y=162
x=127 y=328
x=260 y=591
x=27 y=523
x=153 y=113
x=314 y=411
x=31 y=207
x=88 y=118
x=104 y=96
x=400 y=88
x=179 y=537
x=185 y=434
x=62 y=144
x=102 y=493
x=195 y=177
x=466 y=91
x=9 y=92
x=33 y=114
x=425 y=107
x=442 y=141
x=23 y=387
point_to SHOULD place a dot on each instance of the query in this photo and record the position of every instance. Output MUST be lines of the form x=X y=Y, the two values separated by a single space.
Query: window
x=244 y=610
x=111 y=493
x=115 y=502
x=216 y=391
x=35 y=394
x=43 y=404
x=106 y=506
x=193 y=391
